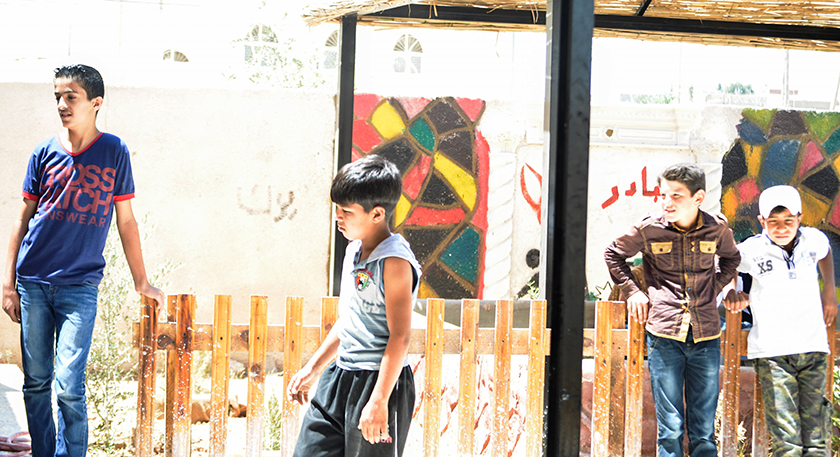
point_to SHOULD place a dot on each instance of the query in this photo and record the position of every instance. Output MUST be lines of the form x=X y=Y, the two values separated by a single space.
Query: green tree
x=737 y=89
x=278 y=62
x=112 y=360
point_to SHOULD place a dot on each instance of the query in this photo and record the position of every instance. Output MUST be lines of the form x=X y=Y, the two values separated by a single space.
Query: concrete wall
x=236 y=184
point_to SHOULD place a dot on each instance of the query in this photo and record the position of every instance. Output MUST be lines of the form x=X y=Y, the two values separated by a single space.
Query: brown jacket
x=682 y=279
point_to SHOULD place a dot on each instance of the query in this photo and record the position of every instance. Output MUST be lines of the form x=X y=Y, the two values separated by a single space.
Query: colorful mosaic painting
x=801 y=149
x=444 y=163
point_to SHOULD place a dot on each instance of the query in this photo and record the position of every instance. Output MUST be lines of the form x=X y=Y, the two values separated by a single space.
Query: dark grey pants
x=331 y=424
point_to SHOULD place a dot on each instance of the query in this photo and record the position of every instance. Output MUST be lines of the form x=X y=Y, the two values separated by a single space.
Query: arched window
x=331 y=53
x=170 y=55
x=260 y=46
x=407 y=54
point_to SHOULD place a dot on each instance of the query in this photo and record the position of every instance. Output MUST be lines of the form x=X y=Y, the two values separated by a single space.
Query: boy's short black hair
x=85 y=76
x=690 y=175
x=370 y=181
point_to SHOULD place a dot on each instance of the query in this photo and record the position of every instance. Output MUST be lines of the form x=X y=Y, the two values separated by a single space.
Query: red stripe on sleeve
x=29 y=196
x=119 y=198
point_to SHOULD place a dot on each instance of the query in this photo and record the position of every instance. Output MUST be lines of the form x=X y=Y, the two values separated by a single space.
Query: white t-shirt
x=785 y=294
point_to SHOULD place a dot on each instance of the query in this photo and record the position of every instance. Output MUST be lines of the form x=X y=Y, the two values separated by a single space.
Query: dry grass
x=812 y=13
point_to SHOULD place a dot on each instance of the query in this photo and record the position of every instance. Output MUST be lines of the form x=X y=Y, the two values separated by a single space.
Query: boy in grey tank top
x=365 y=399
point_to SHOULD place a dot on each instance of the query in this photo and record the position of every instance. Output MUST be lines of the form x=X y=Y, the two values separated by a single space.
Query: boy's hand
x=374 y=422
x=11 y=303
x=155 y=294
x=736 y=301
x=300 y=384
x=829 y=302
x=637 y=306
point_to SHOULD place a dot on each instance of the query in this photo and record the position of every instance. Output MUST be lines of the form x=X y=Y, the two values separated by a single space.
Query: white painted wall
x=213 y=172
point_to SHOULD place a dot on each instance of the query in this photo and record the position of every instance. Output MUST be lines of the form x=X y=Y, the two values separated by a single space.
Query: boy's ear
x=699 y=196
x=761 y=221
x=97 y=103
x=378 y=214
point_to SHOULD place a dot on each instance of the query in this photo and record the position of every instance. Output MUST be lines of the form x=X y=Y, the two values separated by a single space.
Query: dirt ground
x=200 y=432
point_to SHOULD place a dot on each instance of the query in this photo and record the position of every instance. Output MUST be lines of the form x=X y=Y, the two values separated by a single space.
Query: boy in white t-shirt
x=788 y=341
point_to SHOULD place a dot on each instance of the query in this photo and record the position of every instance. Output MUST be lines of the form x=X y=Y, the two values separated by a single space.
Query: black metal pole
x=569 y=25
x=344 y=125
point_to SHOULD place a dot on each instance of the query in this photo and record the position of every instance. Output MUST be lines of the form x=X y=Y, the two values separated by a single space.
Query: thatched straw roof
x=772 y=12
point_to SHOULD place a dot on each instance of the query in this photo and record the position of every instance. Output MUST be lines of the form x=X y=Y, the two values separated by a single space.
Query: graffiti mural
x=631 y=191
x=444 y=163
x=801 y=149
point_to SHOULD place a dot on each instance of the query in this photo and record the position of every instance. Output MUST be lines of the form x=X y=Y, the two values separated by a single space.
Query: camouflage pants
x=797 y=412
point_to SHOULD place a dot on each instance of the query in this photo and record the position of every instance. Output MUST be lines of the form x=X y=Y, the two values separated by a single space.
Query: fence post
x=293 y=349
x=329 y=315
x=220 y=381
x=257 y=333
x=181 y=439
x=618 y=377
x=731 y=385
x=601 y=385
x=830 y=331
x=466 y=392
x=760 y=437
x=434 y=364
x=171 y=360
x=536 y=381
x=501 y=377
x=635 y=389
x=146 y=374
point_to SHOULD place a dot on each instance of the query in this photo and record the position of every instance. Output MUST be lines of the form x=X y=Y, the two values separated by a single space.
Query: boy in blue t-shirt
x=74 y=183
x=365 y=399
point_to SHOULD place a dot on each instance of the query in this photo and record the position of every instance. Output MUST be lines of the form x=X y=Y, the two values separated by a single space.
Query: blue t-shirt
x=75 y=194
x=363 y=326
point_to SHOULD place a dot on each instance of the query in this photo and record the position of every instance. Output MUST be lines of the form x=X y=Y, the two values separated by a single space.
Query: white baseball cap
x=785 y=196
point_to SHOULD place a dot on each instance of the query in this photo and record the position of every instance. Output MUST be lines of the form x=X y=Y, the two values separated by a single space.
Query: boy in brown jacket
x=679 y=307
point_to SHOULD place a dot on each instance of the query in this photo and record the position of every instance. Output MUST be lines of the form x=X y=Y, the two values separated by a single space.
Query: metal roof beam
x=632 y=23
x=643 y=7
x=703 y=27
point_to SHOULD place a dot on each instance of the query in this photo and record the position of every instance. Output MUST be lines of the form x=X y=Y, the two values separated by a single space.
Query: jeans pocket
x=651 y=341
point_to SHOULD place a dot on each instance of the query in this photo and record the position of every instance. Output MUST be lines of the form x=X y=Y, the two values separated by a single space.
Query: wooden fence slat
x=146 y=378
x=635 y=389
x=171 y=360
x=329 y=316
x=760 y=437
x=292 y=355
x=731 y=385
x=434 y=365
x=501 y=379
x=220 y=378
x=256 y=376
x=618 y=380
x=601 y=384
x=830 y=331
x=536 y=381
x=467 y=384
x=181 y=437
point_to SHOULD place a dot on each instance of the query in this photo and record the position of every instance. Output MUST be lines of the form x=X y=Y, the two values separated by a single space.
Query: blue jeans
x=56 y=329
x=675 y=366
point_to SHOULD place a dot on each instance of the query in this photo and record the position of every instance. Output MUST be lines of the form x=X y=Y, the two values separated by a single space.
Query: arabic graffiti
x=278 y=208
x=632 y=191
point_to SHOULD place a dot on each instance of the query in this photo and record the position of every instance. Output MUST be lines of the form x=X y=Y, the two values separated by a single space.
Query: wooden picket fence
x=616 y=345
x=180 y=336
x=617 y=387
